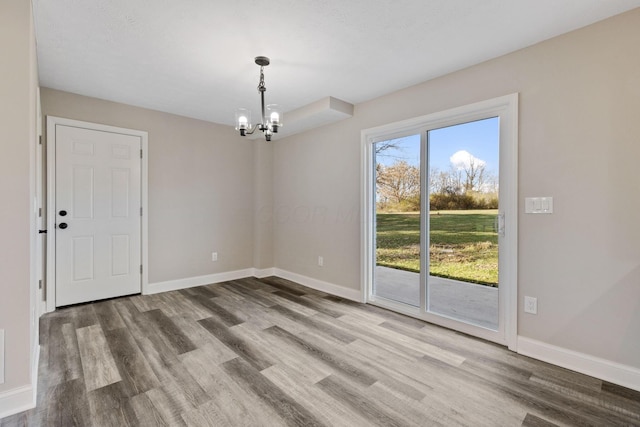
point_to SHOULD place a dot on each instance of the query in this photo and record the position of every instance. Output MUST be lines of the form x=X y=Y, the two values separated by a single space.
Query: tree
x=441 y=182
x=398 y=182
x=473 y=168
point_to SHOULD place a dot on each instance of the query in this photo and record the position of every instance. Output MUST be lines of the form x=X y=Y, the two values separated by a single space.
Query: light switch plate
x=538 y=205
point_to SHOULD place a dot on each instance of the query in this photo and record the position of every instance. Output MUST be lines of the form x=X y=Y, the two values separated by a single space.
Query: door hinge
x=140 y=153
x=140 y=268
x=39 y=212
x=40 y=284
x=40 y=139
x=140 y=210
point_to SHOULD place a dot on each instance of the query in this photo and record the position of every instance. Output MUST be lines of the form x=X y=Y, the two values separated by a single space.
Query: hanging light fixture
x=271 y=118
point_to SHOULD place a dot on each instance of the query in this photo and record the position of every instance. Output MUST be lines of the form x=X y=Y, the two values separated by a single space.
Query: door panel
x=98 y=198
x=463 y=164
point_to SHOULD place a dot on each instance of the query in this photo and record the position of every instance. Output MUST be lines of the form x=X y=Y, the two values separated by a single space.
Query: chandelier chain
x=261 y=85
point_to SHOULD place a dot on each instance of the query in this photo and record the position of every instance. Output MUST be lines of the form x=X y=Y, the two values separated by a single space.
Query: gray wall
x=18 y=85
x=201 y=186
x=578 y=142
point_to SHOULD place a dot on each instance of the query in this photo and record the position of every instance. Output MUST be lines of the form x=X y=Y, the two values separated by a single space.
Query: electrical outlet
x=531 y=305
x=320 y=261
x=214 y=256
x=1 y=356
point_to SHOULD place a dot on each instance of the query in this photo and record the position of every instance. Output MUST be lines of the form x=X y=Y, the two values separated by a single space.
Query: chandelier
x=271 y=117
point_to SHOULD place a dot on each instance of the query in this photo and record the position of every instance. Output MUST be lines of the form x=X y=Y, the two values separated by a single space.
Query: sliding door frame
x=506 y=108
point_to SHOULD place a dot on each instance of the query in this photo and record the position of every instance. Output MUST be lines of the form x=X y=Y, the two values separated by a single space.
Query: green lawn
x=463 y=244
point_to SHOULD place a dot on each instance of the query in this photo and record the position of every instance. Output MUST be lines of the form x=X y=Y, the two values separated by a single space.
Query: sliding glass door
x=435 y=223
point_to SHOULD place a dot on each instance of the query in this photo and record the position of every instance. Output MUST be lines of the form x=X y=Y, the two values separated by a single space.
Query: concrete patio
x=468 y=302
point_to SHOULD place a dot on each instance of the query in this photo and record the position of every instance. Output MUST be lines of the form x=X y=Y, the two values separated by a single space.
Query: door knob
x=62 y=225
x=63 y=213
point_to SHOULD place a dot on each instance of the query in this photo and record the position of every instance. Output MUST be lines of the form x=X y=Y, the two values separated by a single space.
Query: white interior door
x=97 y=214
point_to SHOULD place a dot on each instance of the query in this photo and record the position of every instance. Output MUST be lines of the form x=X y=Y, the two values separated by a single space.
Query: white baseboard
x=21 y=398
x=17 y=400
x=190 y=282
x=624 y=375
x=330 y=288
x=265 y=272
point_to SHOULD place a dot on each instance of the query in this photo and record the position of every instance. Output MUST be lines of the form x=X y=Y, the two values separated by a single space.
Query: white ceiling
x=195 y=57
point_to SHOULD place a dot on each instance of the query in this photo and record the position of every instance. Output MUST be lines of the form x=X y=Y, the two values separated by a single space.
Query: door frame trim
x=52 y=122
x=505 y=107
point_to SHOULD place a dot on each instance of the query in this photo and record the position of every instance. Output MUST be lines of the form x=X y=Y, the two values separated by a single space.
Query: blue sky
x=479 y=138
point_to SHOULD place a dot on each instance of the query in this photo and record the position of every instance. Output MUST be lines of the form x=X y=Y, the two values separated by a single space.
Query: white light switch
x=538 y=205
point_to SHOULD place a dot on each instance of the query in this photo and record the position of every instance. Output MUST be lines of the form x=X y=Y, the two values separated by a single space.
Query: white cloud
x=462 y=159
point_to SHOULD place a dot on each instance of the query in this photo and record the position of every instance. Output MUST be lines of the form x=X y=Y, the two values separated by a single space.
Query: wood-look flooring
x=269 y=352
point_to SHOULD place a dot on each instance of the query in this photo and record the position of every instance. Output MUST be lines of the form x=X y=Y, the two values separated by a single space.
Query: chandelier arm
x=250 y=132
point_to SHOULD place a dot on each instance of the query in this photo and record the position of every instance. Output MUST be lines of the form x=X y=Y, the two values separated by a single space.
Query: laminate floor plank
x=278 y=298
x=159 y=355
x=284 y=285
x=147 y=412
x=18 y=420
x=377 y=314
x=248 y=294
x=183 y=390
x=337 y=364
x=68 y=405
x=216 y=351
x=309 y=303
x=247 y=311
x=291 y=411
x=533 y=421
x=371 y=367
x=110 y=405
x=359 y=403
x=407 y=342
x=279 y=353
x=283 y=317
x=98 y=366
x=214 y=308
x=173 y=304
x=172 y=335
x=229 y=397
x=62 y=364
x=165 y=404
x=241 y=347
x=84 y=315
x=108 y=316
x=270 y=352
x=320 y=322
x=324 y=407
x=207 y=415
x=407 y=411
x=132 y=365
